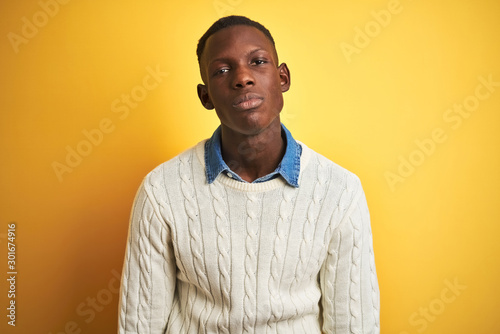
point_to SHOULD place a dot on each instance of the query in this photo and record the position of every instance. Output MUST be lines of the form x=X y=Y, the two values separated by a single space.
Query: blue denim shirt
x=288 y=168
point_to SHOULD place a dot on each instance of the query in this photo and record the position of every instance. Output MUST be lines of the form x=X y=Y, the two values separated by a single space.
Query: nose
x=242 y=77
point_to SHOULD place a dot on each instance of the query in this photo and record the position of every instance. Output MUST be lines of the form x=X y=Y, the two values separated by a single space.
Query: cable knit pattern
x=251 y=244
x=145 y=270
x=373 y=274
x=307 y=245
x=196 y=242
x=354 y=287
x=280 y=243
x=224 y=258
x=329 y=284
x=124 y=289
x=315 y=206
x=233 y=257
x=190 y=208
x=375 y=292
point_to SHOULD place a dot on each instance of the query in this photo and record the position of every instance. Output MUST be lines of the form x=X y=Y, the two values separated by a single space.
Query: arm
x=350 y=295
x=149 y=271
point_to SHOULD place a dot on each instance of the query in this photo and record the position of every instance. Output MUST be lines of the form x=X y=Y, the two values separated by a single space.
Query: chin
x=257 y=126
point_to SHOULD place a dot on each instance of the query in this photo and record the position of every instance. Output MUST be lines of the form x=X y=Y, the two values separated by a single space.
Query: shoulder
x=326 y=168
x=165 y=183
x=332 y=184
x=183 y=164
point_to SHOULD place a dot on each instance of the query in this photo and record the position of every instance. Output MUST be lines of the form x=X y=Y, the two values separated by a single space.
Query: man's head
x=242 y=79
x=229 y=21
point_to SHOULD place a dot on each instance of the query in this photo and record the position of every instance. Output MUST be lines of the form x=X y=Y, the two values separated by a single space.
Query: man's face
x=242 y=79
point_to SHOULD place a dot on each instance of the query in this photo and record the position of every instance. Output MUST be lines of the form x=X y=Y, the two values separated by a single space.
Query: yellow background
x=437 y=225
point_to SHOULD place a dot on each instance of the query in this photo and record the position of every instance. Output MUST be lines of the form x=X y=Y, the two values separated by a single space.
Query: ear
x=284 y=77
x=204 y=97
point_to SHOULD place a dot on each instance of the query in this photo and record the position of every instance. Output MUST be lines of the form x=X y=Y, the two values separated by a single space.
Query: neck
x=253 y=156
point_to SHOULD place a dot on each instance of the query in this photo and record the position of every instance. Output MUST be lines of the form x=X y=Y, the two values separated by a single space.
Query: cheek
x=279 y=103
x=216 y=97
x=276 y=95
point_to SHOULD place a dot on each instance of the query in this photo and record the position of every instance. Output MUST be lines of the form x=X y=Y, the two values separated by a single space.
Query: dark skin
x=245 y=85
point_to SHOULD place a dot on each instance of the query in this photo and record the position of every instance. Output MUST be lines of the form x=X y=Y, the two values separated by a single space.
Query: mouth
x=247 y=101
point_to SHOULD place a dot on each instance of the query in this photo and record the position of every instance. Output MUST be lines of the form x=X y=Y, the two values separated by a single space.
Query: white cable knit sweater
x=233 y=257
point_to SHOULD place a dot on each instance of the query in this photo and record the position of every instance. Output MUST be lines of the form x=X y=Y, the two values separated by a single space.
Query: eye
x=221 y=71
x=259 y=61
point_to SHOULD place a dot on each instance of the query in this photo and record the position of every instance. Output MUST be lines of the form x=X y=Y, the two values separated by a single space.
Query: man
x=249 y=231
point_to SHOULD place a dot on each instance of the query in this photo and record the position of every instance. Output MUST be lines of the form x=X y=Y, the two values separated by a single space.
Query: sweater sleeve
x=350 y=299
x=149 y=271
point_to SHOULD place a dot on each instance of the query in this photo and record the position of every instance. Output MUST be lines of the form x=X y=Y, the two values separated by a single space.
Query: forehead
x=235 y=40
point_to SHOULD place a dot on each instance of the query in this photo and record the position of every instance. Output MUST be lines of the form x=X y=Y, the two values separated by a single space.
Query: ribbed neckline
x=254 y=187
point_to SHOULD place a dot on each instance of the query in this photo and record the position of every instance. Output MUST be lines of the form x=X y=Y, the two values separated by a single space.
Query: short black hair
x=229 y=21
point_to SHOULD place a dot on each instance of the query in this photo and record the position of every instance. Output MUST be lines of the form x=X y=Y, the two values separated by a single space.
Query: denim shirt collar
x=288 y=168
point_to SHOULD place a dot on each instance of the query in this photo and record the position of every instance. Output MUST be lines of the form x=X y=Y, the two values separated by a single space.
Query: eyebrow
x=248 y=54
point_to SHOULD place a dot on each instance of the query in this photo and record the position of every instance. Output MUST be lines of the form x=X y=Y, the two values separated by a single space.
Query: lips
x=247 y=101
